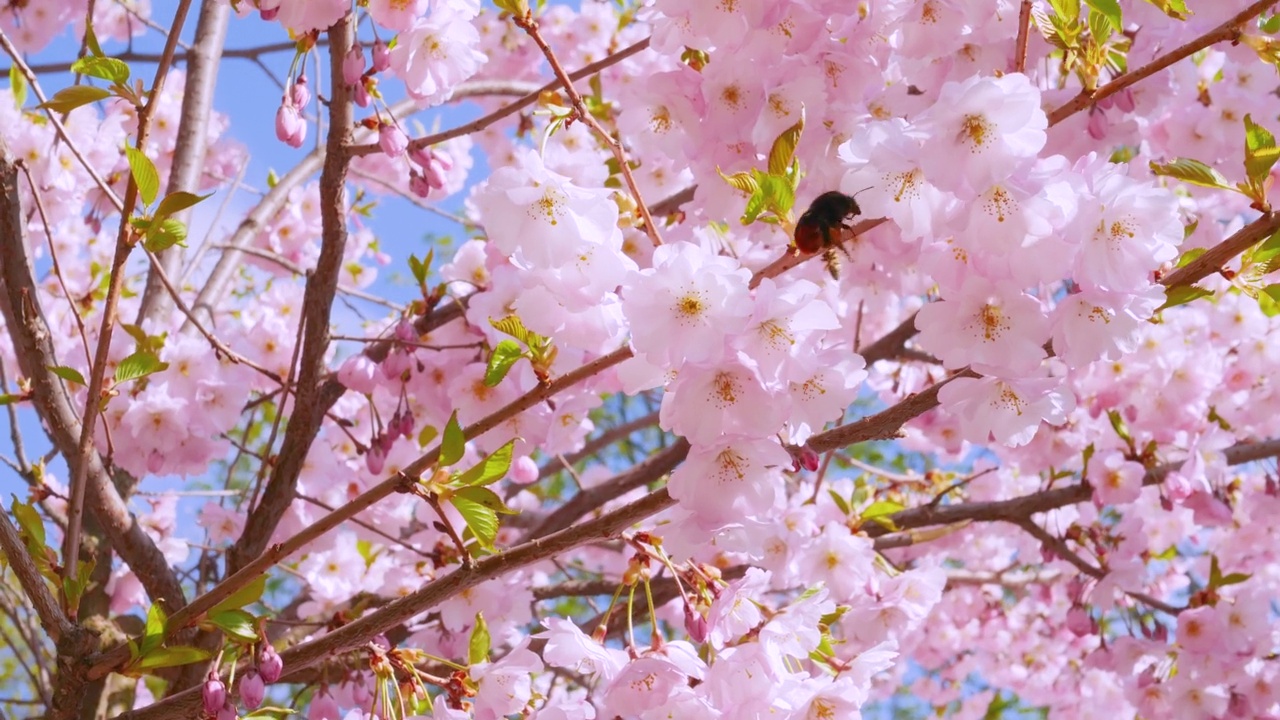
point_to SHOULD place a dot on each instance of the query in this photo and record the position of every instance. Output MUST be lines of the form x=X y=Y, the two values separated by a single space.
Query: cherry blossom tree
x=801 y=359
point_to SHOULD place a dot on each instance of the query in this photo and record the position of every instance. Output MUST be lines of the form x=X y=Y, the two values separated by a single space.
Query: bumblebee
x=819 y=227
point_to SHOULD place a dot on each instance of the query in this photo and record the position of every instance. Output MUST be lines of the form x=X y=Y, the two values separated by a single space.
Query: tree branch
x=33 y=347
x=1015 y=509
x=52 y=619
x=188 y=702
x=508 y=109
x=193 y=138
x=1229 y=30
x=317 y=304
x=79 y=462
x=1215 y=257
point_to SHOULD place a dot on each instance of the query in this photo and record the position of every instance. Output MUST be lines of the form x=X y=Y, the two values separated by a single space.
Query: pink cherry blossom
x=436 y=53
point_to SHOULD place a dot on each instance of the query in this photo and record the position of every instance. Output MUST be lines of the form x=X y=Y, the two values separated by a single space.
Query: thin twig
x=510 y=108
x=1024 y=31
x=97 y=371
x=530 y=26
x=58 y=127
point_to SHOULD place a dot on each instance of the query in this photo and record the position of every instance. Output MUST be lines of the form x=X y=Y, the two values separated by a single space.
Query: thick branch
x=33 y=346
x=317 y=303
x=52 y=619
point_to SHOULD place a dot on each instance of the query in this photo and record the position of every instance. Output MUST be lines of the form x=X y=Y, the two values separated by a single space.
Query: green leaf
x=140 y=364
x=9 y=398
x=237 y=624
x=1191 y=171
x=18 y=86
x=91 y=41
x=881 y=511
x=1234 y=579
x=1118 y=424
x=519 y=8
x=268 y=713
x=478 y=645
x=1176 y=9
x=171 y=657
x=29 y=521
x=755 y=206
x=777 y=194
x=69 y=374
x=1109 y=9
x=1182 y=295
x=164 y=235
x=426 y=435
x=250 y=593
x=1269 y=25
x=453 y=444
x=177 y=202
x=1100 y=27
x=1260 y=152
x=421 y=268
x=73 y=587
x=504 y=356
x=839 y=501
x=109 y=69
x=491 y=469
x=1269 y=300
x=1264 y=253
x=1215 y=572
x=153 y=636
x=144 y=174
x=482 y=521
x=68 y=99
x=486 y=497
x=743 y=181
x=513 y=326
x=784 y=148
x=1190 y=255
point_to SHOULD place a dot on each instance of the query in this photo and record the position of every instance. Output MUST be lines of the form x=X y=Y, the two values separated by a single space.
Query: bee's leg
x=845 y=238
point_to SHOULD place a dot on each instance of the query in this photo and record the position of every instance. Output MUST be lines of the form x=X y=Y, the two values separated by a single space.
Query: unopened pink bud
x=406 y=423
x=375 y=458
x=1079 y=622
x=353 y=65
x=362 y=96
x=523 y=470
x=252 y=689
x=695 y=625
x=392 y=140
x=300 y=93
x=381 y=56
x=1097 y=125
x=418 y=184
x=270 y=664
x=214 y=694
x=290 y=127
x=1124 y=101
